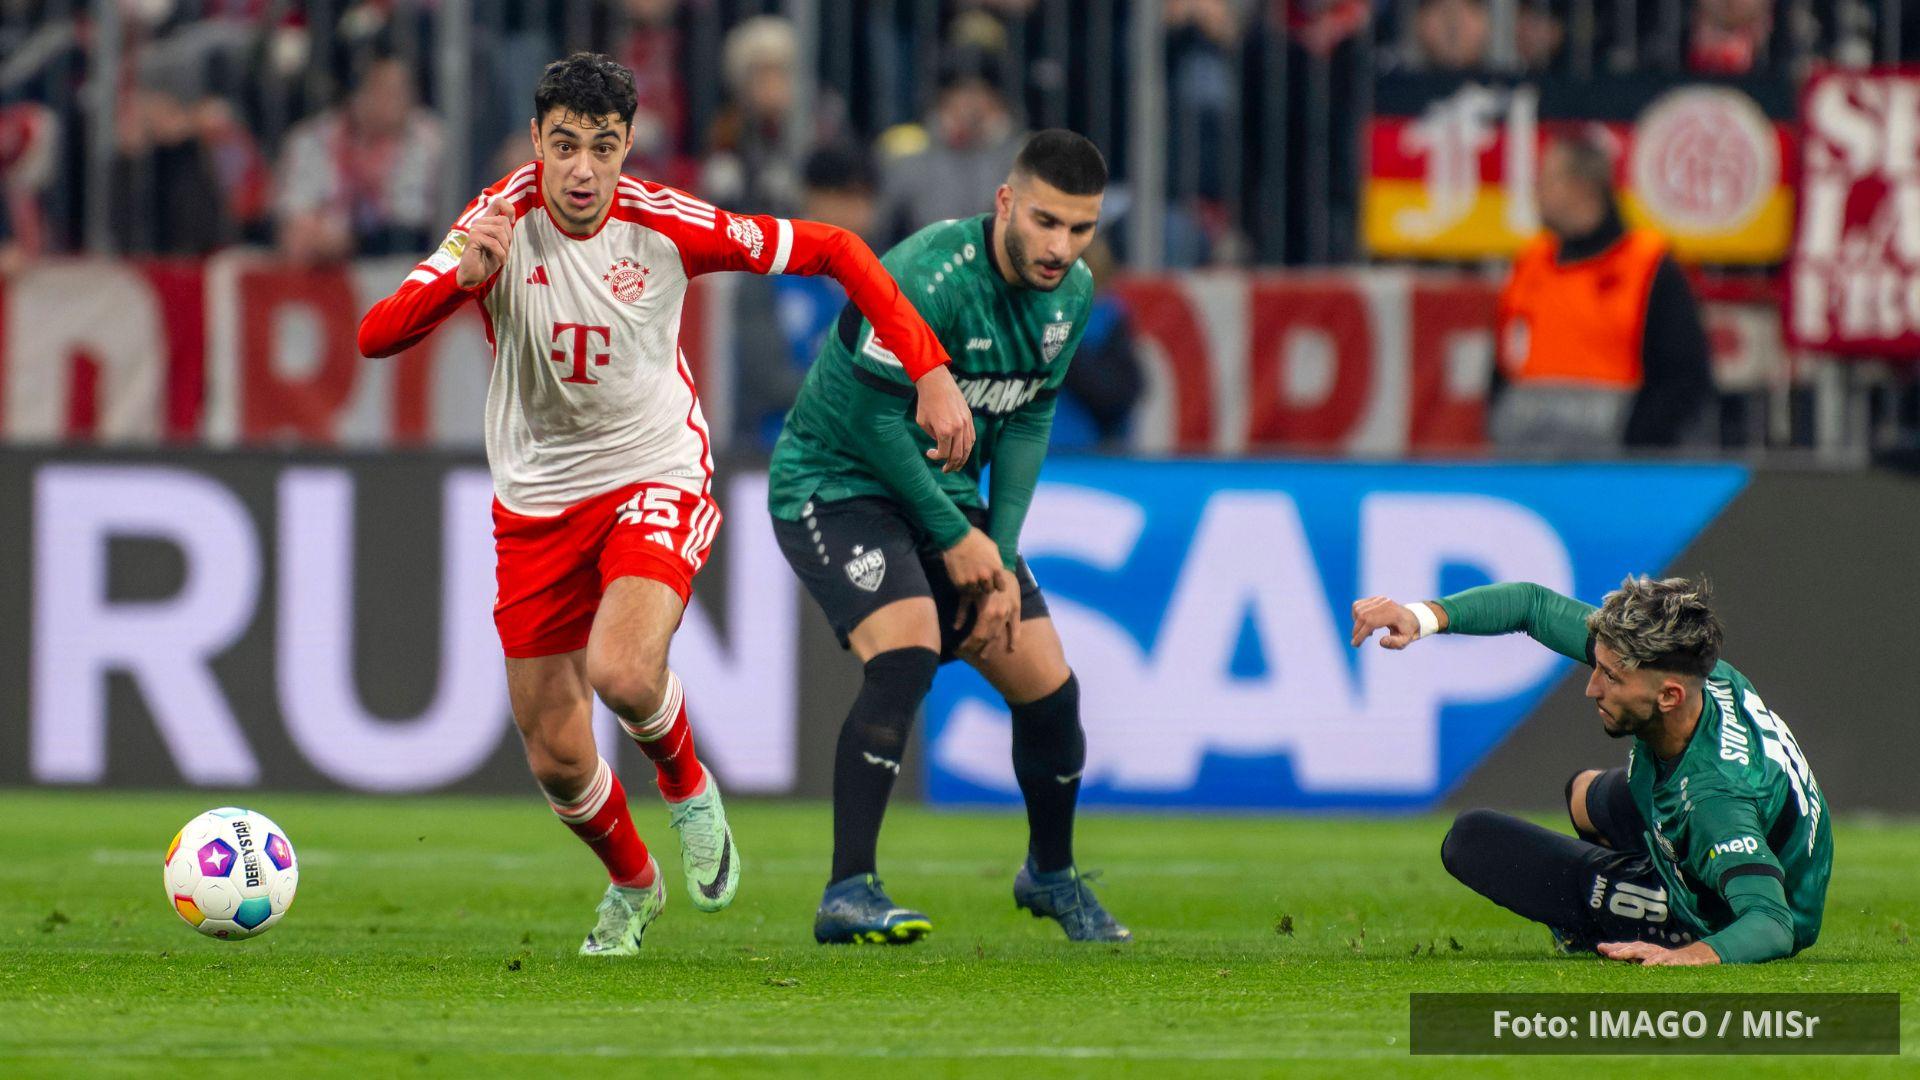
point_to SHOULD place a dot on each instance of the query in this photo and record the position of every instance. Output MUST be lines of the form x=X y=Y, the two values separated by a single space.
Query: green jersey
x=851 y=431
x=1737 y=809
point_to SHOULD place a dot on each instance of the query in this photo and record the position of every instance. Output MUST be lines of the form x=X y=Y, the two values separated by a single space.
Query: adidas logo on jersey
x=538 y=277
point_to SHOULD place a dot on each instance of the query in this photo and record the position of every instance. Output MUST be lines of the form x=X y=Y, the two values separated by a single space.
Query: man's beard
x=1625 y=726
x=1017 y=255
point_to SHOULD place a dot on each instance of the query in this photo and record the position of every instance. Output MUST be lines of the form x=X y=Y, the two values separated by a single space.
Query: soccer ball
x=231 y=873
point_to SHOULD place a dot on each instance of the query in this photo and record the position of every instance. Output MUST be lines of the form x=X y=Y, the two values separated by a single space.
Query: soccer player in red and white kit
x=602 y=468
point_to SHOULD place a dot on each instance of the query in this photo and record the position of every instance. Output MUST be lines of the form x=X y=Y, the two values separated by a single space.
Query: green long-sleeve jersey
x=851 y=431
x=1739 y=830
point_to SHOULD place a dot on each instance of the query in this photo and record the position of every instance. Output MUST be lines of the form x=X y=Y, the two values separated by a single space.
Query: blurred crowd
x=329 y=131
x=318 y=128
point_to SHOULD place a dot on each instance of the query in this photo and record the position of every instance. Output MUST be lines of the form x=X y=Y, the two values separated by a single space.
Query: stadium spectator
x=779 y=321
x=166 y=191
x=1729 y=37
x=1539 y=36
x=366 y=177
x=1599 y=337
x=1452 y=35
x=648 y=42
x=29 y=138
x=1202 y=38
x=1105 y=381
x=948 y=166
x=749 y=161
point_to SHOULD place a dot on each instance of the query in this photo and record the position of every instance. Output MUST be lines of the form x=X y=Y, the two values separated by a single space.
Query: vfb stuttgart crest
x=867 y=569
x=1054 y=339
x=627 y=279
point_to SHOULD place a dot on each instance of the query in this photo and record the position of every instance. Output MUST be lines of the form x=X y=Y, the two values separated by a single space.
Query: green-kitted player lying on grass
x=1713 y=838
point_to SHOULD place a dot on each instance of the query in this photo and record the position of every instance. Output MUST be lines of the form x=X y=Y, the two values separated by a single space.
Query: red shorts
x=552 y=570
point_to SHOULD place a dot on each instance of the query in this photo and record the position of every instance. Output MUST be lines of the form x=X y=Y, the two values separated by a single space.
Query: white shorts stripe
x=706 y=539
x=782 y=247
x=422 y=275
x=693 y=530
x=710 y=515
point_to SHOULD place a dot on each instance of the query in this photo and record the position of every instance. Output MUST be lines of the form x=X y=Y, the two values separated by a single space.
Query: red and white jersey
x=590 y=390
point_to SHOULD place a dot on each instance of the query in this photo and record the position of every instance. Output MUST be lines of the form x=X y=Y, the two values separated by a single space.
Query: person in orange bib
x=1599 y=340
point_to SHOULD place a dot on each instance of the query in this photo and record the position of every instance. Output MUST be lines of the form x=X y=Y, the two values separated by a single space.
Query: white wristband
x=1429 y=622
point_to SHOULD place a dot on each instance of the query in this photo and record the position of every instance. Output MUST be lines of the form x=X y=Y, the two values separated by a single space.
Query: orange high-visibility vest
x=1581 y=324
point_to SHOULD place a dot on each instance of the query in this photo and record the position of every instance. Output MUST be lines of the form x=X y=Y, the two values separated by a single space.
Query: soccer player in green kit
x=1712 y=846
x=911 y=566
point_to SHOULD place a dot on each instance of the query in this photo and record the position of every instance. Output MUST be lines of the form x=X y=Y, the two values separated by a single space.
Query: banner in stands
x=247 y=353
x=1853 y=284
x=1205 y=608
x=1452 y=162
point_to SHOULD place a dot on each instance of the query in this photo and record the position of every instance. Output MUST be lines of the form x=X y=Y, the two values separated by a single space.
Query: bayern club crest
x=627 y=279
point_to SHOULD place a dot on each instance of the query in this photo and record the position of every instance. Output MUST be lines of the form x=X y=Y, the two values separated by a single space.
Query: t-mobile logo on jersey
x=582 y=353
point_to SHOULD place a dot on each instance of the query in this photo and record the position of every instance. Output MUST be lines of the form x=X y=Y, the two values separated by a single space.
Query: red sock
x=600 y=817
x=667 y=739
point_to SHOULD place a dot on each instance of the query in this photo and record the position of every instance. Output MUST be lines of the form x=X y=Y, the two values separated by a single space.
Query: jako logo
x=1204 y=607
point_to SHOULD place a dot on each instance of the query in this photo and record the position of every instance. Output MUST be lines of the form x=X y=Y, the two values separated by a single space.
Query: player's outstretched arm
x=1556 y=621
x=463 y=264
x=1404 y=623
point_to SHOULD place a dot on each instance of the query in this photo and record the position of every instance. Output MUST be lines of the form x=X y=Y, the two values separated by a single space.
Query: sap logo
x=1159 y=702
x=1739 y=845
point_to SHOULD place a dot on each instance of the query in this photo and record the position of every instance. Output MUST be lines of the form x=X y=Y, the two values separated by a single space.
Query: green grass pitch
x=436 y=936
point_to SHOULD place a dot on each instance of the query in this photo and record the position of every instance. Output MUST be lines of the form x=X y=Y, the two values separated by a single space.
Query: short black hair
x=586 y=84
x=1064 y=159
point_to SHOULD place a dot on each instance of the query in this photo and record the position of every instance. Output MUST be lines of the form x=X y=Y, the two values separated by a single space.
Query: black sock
x=1049 y=750
x=868 y=756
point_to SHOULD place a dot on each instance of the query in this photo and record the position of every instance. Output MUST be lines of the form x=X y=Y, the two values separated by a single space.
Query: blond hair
x=1666 y=624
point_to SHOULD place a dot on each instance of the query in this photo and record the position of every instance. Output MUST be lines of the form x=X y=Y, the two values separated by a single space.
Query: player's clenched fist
x=1380 y=613
x=487 y=244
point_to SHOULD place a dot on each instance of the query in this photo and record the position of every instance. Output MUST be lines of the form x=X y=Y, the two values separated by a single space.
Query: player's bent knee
x=630 y=691
x=900 y=676
x=1471 y=831
x=558 y=764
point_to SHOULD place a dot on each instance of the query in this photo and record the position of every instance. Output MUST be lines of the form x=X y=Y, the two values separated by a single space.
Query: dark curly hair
x=586 y=84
